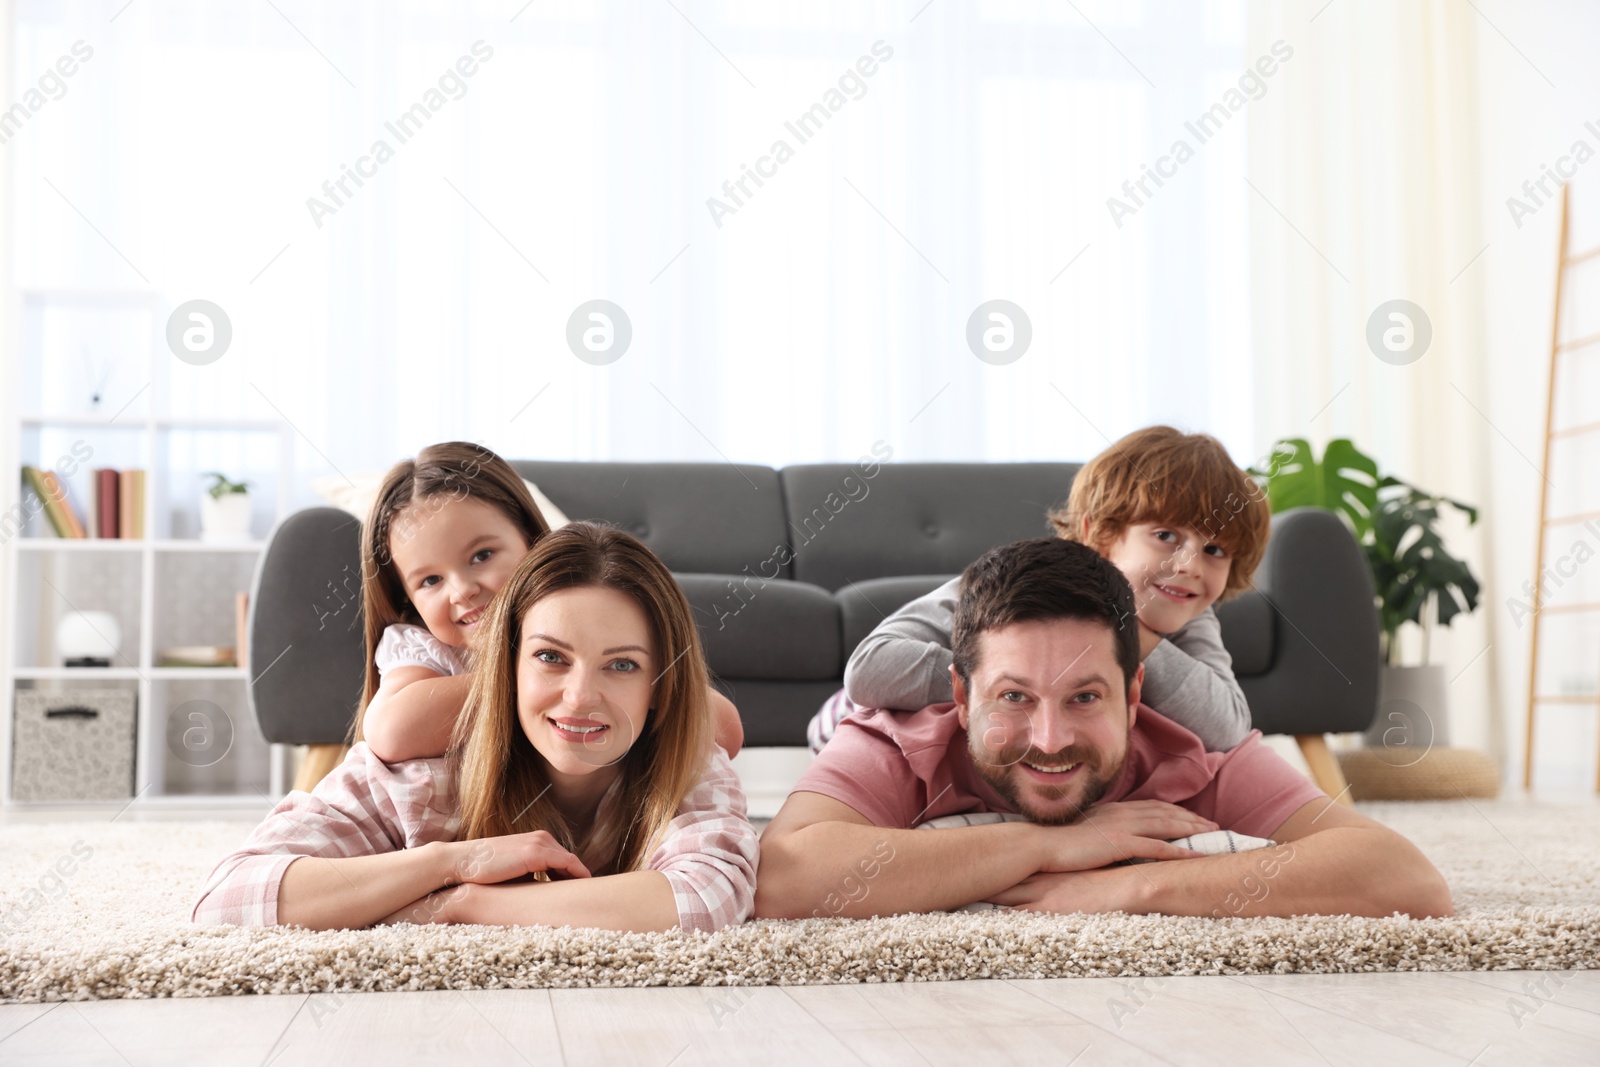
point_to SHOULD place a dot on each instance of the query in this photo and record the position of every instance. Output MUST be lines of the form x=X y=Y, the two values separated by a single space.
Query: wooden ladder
x=1589 y=520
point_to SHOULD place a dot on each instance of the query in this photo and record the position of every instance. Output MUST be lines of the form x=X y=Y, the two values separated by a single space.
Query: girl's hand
x=489 y=860
x=730 y=728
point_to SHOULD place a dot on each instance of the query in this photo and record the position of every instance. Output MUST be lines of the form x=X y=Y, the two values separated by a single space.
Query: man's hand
x=1086 y=846
x=1148 y=818
x=1078 y=891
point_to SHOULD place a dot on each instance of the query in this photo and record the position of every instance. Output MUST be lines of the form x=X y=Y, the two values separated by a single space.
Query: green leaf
x=1394 y=522
x=1345 y=480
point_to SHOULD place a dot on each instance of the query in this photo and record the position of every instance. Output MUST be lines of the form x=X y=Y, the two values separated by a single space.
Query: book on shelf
x=106 y=498
x=130 y=504
x=241 y=628
x=53 y=501
x=115 y=503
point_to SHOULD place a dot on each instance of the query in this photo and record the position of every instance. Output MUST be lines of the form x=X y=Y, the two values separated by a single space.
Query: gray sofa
x=788 y=569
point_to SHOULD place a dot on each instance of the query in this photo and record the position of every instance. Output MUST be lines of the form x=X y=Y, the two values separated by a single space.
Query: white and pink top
x=366 y=807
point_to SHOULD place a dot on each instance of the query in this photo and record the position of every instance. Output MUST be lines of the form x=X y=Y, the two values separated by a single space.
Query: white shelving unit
x=167 y=589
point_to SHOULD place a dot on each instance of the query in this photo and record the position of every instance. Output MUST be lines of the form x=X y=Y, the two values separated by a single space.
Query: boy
x=1186 y=527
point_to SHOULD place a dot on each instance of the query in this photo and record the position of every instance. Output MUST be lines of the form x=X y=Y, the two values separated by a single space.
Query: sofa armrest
x=307 y=649
x=1324 y=672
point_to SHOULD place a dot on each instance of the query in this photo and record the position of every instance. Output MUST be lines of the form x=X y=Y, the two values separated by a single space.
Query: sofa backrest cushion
x=911 y=518
x=711 y=518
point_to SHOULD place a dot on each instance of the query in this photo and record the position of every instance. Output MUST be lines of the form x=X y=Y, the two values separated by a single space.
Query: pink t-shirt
x=903 y=768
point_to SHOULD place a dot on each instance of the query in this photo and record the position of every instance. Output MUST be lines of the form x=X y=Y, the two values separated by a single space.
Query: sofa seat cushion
x=863 y=605
x=775 y=629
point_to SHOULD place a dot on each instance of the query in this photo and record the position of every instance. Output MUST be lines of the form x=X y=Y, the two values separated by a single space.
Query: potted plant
x=224 y=509
x=1415 y=579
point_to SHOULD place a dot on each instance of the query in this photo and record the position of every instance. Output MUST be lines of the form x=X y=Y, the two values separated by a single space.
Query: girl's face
x=1176 y=572
x=453 y=555
x=586 y=673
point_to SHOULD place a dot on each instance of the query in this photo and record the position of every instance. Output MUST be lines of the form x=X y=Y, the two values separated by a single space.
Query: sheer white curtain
x=575 y=162
x=1366 y=176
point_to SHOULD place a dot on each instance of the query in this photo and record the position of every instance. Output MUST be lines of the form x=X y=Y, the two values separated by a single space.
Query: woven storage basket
x=1424 y=774
x=75 y=744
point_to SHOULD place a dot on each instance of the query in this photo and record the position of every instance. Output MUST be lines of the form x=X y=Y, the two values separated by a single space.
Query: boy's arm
x=413 y=712
x=904 y=663
x=1189 y=679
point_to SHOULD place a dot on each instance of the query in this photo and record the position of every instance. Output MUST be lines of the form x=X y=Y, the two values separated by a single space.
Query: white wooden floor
x=1415 y=1019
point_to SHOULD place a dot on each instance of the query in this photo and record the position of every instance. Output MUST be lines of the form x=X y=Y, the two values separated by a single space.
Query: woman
x=582 y=786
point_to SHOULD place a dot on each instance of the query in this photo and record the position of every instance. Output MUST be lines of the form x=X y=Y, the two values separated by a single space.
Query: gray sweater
x=905 y=664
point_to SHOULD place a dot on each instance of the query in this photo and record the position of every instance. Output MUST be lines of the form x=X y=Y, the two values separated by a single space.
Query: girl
x=581 y=787
x=445 y=533
x=1185 y=526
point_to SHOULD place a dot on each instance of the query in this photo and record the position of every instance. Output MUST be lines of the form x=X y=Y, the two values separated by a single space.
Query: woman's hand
x=488 y=860
x=440 y=907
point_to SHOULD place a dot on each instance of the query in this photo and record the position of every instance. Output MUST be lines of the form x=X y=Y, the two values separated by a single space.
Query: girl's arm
x=1189 y=678
x=730 y=728
x=413 y=712
x=904 y=663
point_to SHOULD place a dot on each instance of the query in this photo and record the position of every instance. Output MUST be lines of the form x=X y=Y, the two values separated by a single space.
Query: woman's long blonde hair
x=501 y=779
x=453 y=470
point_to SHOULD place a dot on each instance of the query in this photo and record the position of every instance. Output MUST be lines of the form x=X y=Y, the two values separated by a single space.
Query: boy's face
x=1176 y=572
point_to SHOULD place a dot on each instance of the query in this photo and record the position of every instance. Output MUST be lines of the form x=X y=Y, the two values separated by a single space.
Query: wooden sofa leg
x=1324 y=768
x=316 y=763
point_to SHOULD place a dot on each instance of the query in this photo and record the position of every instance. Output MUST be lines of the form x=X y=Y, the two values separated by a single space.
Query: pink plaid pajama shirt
x=367 y=807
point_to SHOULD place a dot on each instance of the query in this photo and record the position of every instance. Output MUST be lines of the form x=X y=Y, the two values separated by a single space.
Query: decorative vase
x=225 y=518
x=1413 y=715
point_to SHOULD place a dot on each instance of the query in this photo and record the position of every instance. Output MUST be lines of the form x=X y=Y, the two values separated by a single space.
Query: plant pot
x=225 y=518
x=1413 y=715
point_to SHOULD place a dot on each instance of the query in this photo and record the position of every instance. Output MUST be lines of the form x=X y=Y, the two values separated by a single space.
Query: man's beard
x=1070 y=802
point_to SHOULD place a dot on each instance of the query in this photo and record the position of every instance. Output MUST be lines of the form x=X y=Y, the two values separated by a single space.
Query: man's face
x=1046 y=715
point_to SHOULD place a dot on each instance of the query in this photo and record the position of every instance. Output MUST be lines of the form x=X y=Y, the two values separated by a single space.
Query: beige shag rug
x=1525 y=877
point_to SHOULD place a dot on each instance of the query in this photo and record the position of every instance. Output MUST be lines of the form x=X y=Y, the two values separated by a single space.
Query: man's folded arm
x=1329 y=861
x=822 y=858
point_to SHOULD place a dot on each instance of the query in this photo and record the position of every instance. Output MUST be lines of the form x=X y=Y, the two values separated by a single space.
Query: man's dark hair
x=1043 y=578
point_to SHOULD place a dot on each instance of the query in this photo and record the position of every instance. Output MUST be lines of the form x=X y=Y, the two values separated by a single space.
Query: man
x=1047 y=724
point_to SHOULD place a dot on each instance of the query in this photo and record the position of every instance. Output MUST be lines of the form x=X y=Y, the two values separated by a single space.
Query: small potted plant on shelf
x=1416 y=580
x=224 y=509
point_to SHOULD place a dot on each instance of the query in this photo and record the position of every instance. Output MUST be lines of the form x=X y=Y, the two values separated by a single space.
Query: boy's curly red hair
x=1162 y=475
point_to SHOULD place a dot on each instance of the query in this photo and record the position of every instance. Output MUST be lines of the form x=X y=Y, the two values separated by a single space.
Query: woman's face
x=586 y=673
